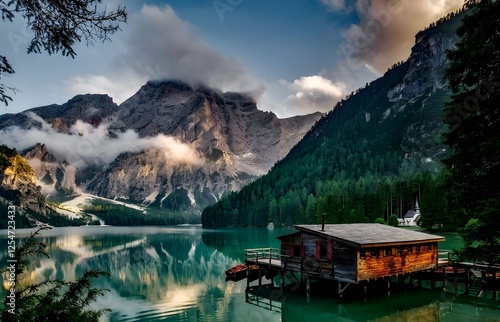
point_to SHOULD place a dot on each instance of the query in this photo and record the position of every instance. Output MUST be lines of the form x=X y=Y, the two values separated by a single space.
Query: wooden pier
x=270 y=257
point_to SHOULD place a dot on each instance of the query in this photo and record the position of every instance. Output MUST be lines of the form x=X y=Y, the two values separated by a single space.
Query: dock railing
x=450 y=258
x=444 y=257
x=270 y=256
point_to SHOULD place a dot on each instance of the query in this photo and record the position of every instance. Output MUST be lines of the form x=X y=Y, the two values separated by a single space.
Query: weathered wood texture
x=369 y=235
x=313 y=266
x=288 y=243
x=320 y=255
x=380 y=265
x=344 y=260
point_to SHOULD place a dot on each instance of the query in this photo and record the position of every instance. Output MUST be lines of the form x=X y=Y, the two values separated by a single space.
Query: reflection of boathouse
x=419 y=305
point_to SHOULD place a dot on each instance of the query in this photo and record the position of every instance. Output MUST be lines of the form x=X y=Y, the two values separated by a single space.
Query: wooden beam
x=467 y=281
x=342 y=289
x=494 y=289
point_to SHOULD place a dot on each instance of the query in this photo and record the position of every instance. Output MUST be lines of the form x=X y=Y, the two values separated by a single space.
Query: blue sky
x=293 y=56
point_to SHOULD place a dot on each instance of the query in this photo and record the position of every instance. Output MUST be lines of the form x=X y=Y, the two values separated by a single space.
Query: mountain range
x=173 y=146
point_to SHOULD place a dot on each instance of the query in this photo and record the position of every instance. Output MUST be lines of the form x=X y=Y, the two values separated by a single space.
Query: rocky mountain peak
x=18 y=182
x=89 y=108
x=40 y=152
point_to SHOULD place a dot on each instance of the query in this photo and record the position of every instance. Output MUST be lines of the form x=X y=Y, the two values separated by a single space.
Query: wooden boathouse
x=350 y=253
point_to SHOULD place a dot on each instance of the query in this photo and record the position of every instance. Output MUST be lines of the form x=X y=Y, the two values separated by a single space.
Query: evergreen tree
x=473 y=119
x=63 y=301
x=393 y=220
x=57 y=26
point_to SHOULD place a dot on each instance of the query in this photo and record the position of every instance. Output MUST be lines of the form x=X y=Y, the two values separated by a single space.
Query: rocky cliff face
x=18 y=182
x=197 y=144
x=236 y=142
x=423 y=89
x=55 y=178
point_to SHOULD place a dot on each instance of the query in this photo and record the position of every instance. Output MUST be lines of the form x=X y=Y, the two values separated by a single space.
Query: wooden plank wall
x=287 y=242
x=380 y=266
x=322 y=268
x=344 y=259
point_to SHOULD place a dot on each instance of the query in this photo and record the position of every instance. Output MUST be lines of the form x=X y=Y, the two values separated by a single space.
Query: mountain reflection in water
x=177 y=274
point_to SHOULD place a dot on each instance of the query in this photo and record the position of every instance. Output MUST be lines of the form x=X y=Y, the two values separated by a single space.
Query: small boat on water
x=239 y=272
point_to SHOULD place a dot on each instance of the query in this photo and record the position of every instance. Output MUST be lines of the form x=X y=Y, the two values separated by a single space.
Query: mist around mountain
x=172 y=148
x=375 y=154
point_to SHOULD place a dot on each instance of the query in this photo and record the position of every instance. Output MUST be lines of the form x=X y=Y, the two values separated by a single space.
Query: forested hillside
x=372 y=156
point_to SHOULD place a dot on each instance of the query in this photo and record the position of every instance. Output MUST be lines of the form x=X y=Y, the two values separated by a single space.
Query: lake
x=177 y=274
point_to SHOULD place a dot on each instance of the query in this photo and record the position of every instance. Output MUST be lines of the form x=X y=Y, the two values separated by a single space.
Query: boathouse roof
x=370 y=235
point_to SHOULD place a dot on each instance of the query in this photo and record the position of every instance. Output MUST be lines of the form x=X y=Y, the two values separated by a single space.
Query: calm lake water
x=177 y=274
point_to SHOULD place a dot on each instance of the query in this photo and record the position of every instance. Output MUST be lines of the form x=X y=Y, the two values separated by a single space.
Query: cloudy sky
x=293 y=56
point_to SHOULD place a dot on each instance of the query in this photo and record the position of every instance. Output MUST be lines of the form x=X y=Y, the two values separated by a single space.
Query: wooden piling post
x=248 y=275
x=455 y=279
x=282 y=274
x=433 y=279
x=388 y=286
x=467 y=280
x=494 y=286
x=402 y=281
x=445 y=282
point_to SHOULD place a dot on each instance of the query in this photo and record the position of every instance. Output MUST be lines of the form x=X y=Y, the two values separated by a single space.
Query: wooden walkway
x=446 y=260
x=266 y=257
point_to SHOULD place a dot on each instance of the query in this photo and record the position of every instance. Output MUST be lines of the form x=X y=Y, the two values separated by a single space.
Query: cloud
x=119 y=88
x=157 y=45
x=314 y=93
x=387 y=28
x=86 y=145
x=335 y=5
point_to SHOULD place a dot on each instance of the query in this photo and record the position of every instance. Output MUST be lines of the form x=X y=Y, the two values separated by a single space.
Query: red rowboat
x=239 y=272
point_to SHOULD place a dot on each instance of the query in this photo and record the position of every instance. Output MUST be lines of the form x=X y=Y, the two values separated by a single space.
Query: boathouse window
x=374 y=253
x=429 y=247
x=323 y=249
x=417 y=249
x=362 y=253
x=297 y=251
x=400 y=251
x=409 y=250
x=387 y=251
